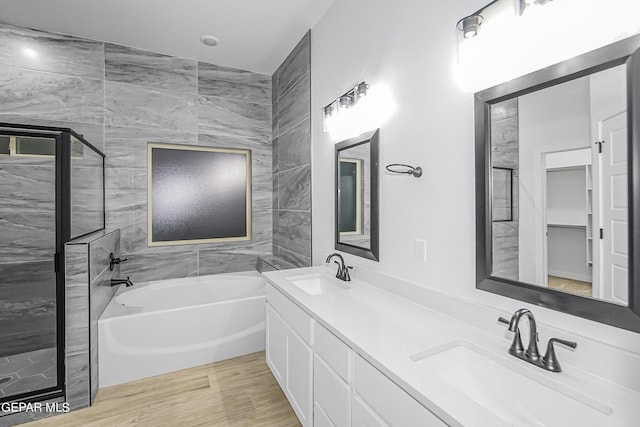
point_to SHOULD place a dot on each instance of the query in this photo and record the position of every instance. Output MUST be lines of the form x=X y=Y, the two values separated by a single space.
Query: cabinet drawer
x=297 y=319
x=331 y=393
x=363 y=416
x=395 y=406
x=336 y=353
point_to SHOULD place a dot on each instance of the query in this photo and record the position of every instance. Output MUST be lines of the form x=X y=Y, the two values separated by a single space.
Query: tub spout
x=116 y=282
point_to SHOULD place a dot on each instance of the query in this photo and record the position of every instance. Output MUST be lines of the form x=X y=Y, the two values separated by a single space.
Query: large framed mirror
x=357 y=196
x=558 y=186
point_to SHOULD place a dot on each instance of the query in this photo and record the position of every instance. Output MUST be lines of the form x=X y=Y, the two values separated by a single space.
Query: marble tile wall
x=291 y=129
x=121 y=98
x=100 y=293
x=504 y=151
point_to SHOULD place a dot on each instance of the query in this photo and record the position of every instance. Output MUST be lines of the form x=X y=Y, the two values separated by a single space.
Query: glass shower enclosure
x=51 y=191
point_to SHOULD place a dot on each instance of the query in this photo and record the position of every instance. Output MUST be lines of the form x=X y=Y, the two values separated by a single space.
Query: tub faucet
x=532 y=355
x=116 y=282
x=343 y=270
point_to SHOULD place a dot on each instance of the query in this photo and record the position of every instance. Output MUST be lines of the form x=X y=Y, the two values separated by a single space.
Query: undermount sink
x=316 y=284
x=518 y=398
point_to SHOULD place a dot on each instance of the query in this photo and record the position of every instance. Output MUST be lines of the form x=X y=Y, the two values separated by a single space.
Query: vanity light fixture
x=524 y=4
x=358 y=110
x=361 y=90
x=469 y=25
x=328 y=111
x=346 y=101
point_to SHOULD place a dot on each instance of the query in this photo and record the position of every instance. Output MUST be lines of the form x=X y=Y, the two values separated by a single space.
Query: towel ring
x=402 y=168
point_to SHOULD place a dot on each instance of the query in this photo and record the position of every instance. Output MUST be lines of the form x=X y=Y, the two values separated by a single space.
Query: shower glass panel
x=28 y=309
x=87 y=189
x=51 y=188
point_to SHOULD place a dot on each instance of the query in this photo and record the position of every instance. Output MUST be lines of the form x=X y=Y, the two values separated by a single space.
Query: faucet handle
x=549 y=360
x=503 y=320
x=347 y=276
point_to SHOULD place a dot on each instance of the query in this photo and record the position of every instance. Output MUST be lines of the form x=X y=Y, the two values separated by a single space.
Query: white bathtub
x=163 y=326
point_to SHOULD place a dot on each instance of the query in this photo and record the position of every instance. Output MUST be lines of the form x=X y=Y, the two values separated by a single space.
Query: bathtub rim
x=115 y=311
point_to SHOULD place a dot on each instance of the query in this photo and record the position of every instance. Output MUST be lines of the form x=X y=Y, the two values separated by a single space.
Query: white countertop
x=386 y=329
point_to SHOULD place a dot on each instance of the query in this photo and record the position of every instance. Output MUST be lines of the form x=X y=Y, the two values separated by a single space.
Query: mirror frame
x=372 y=138
x=627 y=52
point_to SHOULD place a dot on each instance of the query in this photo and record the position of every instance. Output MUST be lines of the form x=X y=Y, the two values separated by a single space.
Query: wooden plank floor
x=234 y=392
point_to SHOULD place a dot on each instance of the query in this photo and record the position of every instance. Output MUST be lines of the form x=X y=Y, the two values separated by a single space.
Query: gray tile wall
x=505 y=153
x=121 y=98
x=291 y=129
x=100 y=294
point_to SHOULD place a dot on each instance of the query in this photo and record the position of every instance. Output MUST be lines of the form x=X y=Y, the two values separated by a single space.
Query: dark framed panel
x=198 y=194
x=619 y=53
x=370 y=250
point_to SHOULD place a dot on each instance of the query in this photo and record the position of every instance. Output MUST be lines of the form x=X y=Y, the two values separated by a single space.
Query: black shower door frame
x=62 y=137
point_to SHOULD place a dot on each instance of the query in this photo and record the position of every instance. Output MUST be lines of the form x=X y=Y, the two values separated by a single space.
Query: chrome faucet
x=343 y=270
x=549 y=361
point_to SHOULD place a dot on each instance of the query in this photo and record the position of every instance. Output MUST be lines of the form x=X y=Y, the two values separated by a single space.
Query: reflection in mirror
x=356 y=196
x=559 y=187
x=354 y=189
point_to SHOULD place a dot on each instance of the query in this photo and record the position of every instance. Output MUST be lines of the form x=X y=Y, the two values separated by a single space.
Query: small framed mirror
x=557 y=188
x=357 y=196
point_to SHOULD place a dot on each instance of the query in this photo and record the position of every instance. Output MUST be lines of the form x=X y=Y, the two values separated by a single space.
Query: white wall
x=411 y=46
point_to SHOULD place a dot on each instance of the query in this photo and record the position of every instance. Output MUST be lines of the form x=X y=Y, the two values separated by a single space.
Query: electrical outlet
x=420 y=247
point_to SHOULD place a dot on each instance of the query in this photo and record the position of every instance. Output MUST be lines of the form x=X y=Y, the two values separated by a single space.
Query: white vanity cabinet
x=325 y=381
x=289 y=354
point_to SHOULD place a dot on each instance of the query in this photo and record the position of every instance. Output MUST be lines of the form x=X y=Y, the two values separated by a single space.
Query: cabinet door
x=299 y=377
x=331 y=393
x=276 y=345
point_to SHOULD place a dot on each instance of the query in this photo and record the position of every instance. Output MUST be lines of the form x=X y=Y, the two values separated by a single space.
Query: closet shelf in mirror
x=577 y=226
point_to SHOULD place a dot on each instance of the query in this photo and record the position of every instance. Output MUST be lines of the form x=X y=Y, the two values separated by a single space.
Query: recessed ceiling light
x=209 y=40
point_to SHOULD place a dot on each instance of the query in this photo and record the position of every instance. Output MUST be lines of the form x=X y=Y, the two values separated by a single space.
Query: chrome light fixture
x=469 y=25
x=524 y=4
x=328 y=111
x=361 y=90
x=346 y=101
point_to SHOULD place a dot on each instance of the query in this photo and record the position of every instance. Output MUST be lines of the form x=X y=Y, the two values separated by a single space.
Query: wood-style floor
x=234 y=392
x=572 y=286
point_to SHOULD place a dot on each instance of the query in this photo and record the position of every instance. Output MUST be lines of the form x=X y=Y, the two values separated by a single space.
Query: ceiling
x=255 y=35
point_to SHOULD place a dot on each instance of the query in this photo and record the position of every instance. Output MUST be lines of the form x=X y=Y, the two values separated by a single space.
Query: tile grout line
x=289 y=129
